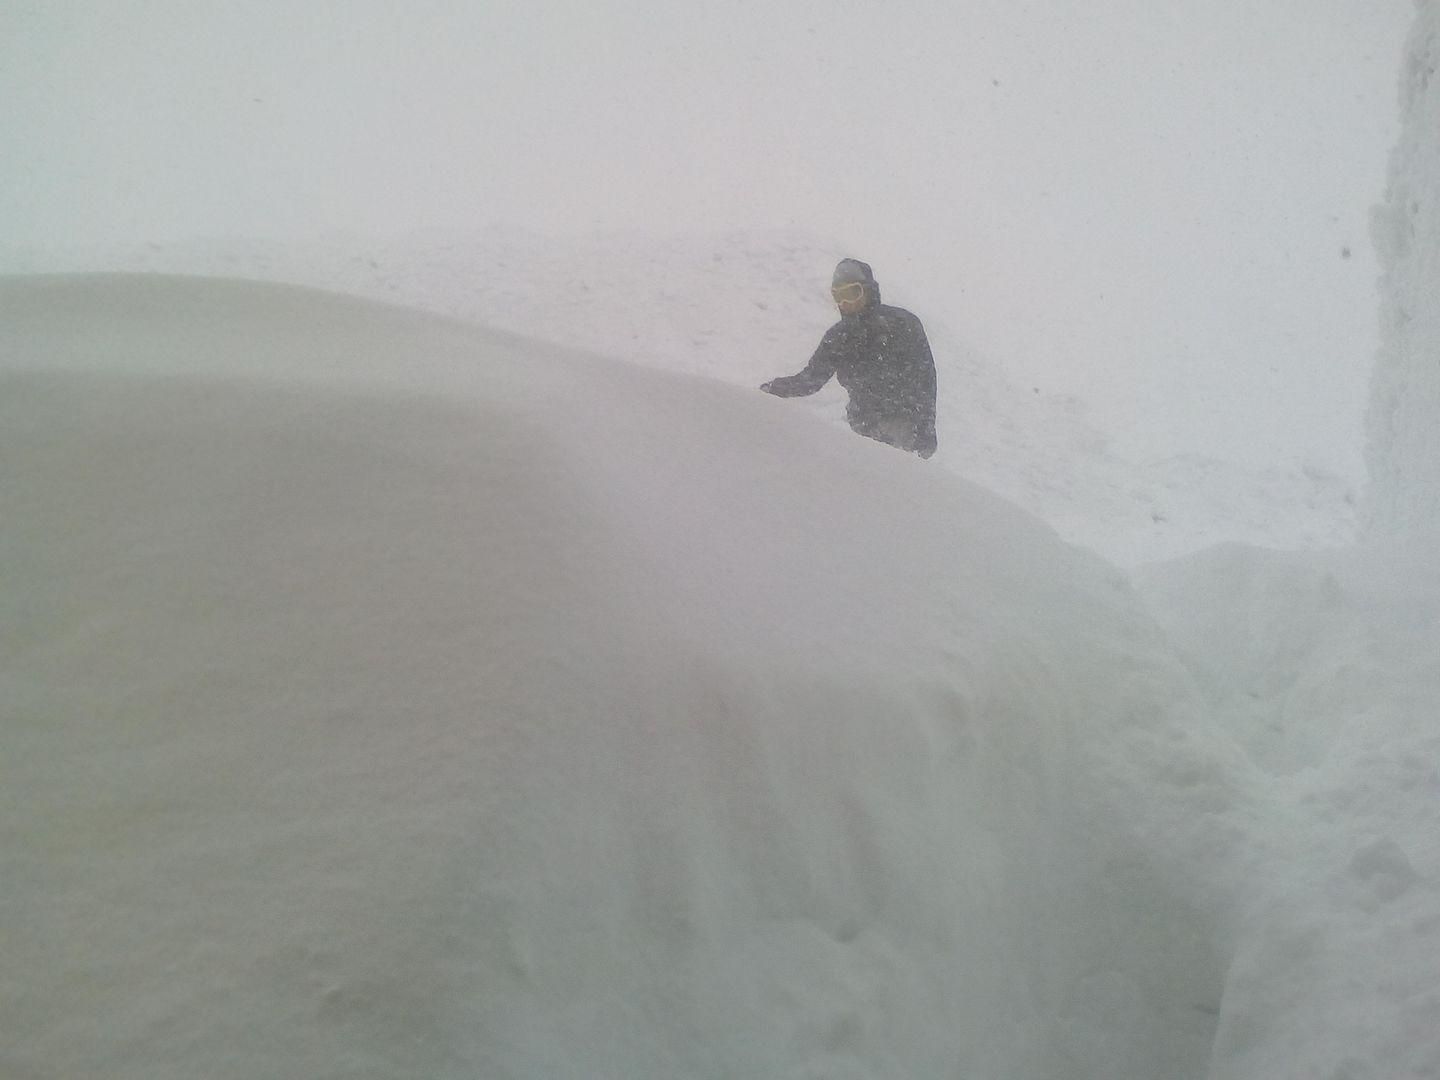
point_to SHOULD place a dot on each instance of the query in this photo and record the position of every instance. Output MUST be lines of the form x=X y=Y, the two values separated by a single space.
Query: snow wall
x=386 y=697
x=1404 y=417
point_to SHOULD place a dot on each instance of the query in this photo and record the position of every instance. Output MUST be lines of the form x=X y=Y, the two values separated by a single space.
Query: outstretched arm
x=815 y=374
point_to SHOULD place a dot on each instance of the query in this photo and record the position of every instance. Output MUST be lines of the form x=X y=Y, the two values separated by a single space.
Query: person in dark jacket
x=880 y=355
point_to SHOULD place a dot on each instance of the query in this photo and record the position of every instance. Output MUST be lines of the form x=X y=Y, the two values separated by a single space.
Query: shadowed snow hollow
x=1322 y=665
x=389 y=698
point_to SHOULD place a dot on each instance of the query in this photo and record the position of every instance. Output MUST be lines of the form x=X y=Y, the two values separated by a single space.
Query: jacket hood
x=853 y=271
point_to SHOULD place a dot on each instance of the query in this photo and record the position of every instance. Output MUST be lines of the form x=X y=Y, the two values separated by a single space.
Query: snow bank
x=1404 y=451
x=388 y=697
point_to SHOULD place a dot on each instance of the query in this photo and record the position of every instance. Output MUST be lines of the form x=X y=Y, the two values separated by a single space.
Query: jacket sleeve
x=925 y=403
x=815 y=374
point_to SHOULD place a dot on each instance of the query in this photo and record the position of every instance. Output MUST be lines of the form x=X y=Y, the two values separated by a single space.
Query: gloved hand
x=768 y=387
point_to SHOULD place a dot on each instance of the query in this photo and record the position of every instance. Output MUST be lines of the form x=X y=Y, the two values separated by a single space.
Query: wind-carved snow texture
x=1404 y=451
x=388 y=697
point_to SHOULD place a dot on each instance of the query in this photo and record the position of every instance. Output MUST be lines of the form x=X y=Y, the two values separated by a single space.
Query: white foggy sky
x=1141 y=203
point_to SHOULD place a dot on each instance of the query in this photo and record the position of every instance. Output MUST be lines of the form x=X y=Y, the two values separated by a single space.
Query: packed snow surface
x=386 y=696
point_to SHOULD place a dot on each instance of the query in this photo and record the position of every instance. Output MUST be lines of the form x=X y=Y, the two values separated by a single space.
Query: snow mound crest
x=392 y=697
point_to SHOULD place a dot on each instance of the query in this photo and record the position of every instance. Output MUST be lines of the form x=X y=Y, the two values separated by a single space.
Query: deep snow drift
x=390 y=697
x=387 y=697
x=383 y=696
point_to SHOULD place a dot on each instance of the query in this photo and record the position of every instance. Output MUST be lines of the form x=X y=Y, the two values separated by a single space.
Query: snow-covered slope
x=743 y=307
x=389 y=697
x=1404 y=452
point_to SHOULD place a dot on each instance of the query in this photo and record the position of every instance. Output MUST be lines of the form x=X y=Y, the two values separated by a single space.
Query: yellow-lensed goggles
x=848 y=293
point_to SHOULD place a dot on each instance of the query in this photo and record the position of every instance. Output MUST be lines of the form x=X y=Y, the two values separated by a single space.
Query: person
x=880 y=355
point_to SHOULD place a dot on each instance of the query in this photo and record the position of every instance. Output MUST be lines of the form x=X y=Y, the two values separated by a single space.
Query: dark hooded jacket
x=881 y=356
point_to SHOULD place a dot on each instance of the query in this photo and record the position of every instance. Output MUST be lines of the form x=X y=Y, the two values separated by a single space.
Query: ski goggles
x=848 y=293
